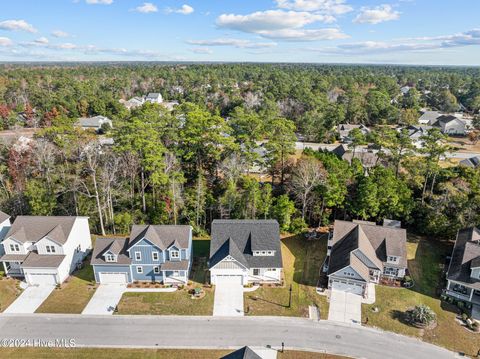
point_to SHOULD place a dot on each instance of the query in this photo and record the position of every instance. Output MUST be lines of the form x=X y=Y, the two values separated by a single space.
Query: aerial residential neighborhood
x=272 y=179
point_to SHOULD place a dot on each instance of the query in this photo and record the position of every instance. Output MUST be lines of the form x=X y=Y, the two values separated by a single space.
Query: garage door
x=349 y=287
x=42 y=279
x=106 y=278
x=229 y=279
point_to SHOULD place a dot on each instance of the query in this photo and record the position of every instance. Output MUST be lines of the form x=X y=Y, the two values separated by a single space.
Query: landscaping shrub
x=422 y=314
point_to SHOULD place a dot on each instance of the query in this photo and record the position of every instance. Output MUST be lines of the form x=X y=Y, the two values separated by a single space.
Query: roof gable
x=162 y=236
x=34 y=228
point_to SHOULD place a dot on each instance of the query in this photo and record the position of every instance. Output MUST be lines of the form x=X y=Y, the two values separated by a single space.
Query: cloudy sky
x=433 y=32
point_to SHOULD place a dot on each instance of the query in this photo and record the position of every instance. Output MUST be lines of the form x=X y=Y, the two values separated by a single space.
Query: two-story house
x=463 y=275
x=45 y=249
x=361 y=252
x=156 y=253
x=245 y=251
x=154 y=97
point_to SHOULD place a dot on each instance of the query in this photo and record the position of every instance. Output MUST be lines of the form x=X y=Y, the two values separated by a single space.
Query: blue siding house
x=156 y=253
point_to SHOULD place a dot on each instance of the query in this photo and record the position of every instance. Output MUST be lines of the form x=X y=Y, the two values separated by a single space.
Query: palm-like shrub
x=422 y=314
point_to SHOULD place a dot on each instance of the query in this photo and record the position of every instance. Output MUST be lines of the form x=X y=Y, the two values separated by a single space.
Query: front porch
x=12 y=266
x=462 y=292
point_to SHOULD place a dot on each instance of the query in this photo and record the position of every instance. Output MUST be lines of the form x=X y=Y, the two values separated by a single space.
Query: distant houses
x=450 y=124
x=152 y=97
x=97 y=123
x=344 y=130
x=416 y=132
x=473 y=162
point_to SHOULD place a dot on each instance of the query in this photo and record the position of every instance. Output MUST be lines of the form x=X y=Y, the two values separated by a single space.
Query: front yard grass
x=302 y=260
x=74 y=293
x=426 y=258
x=107 y=353
x=9 y=291
x=179 y=302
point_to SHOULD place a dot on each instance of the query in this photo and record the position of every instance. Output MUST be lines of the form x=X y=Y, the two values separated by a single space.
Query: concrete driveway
x=228 y=296
x=105 y=299
x=345 y=307
x=30 y=299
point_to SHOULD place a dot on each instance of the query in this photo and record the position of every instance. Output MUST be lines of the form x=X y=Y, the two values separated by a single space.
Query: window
x=269 y=253
x=256 y=271
x=14 y=247
x=139 y=269
x=392 y=259
x=155 y=256
x=110 y=257
x=174 y=255
x=50 y=249
x=176 y=273
x=263 y=253
x=138 y=256
x=78 y=249
x=272 y=269
x=156 y=270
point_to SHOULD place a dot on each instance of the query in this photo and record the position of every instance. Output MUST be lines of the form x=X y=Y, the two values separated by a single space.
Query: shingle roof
x=465 y=251
x=163 y=236
x=33 y=228
x=364 y=244
x=96 y=121
x=242 y=353
x=35 y=260
x=175 y=265
x=471 y=162
x=118 y=246
x=239 y=238
x=3 y=217
x=13 y=257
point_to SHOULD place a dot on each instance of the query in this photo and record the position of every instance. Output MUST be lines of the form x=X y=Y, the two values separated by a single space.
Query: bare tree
x=307 y=174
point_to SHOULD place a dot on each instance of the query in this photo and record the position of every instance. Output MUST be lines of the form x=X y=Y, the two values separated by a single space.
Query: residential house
x=154 y=97
x=428 y=117
x=416 y=132
x=156 y=253
x=451 y=125
x=344 y=131
x=368 y=159
x=245 y=251
x=134 y=102
x=45 y=249
x=473 y=162
x=360 y=253
x=463 y=275
x=4 y=227
x=96 y=123
x=252 y=353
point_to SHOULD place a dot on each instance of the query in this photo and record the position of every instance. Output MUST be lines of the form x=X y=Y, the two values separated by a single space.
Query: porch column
x=471 y=293
x=5 y=268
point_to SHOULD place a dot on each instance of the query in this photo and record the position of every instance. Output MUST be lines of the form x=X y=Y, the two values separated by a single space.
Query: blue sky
x=433 y=32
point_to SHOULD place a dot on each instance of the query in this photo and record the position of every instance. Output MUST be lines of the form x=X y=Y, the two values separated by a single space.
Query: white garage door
x=229 y=279
x=42 y=278
x=106 y=278
x=349 y=287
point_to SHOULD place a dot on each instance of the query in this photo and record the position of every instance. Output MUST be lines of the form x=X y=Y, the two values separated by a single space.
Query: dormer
x=268 y=253
x=174 y=253
x=110 y=257
x=48 y=246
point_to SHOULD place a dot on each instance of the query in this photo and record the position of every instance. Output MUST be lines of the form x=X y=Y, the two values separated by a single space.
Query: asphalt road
x=217 y=332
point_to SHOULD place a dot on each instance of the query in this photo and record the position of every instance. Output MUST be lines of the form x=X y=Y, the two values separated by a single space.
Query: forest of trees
x=191 y=165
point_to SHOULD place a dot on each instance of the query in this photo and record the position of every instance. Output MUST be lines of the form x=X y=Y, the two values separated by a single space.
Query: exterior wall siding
x=148 y=273
x=146 y=251
x=111 y=269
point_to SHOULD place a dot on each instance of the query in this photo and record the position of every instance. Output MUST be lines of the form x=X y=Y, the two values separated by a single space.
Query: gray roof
x=33 y=228
x=239 y=238
x=175 y=265
x=35 y=260
x=13 y=257
x=429 y=116
x=365 y=245
x=117 y=246
x=444 y=119
x=162 y=236
x=96 y=121
x=154 y=95
x=3 y=217
x=368 y=159
x=471 y=162
x=466 y=253
x=242 y=353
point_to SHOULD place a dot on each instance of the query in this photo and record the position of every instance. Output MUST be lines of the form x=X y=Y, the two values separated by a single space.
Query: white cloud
x=306 y=34
x=5 y=41
x=184 y=10
x=99 y=2
x=333 y=7
x=239 y=43
x=17 y=25
x=60 y=33
x=146 y=8
x=265 y=21
x=42 y=40
x=376 y=15
x=202 y=50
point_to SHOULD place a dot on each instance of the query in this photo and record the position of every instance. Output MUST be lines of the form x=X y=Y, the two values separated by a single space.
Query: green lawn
x=425 y=265
x=179 y=302
x=9 y=291
x=107 y=353
x=74 y=293
x=301 y=264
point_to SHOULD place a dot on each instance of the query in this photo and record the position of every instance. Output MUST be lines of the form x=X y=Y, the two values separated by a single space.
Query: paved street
x=218 y=332
x=30 y=299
